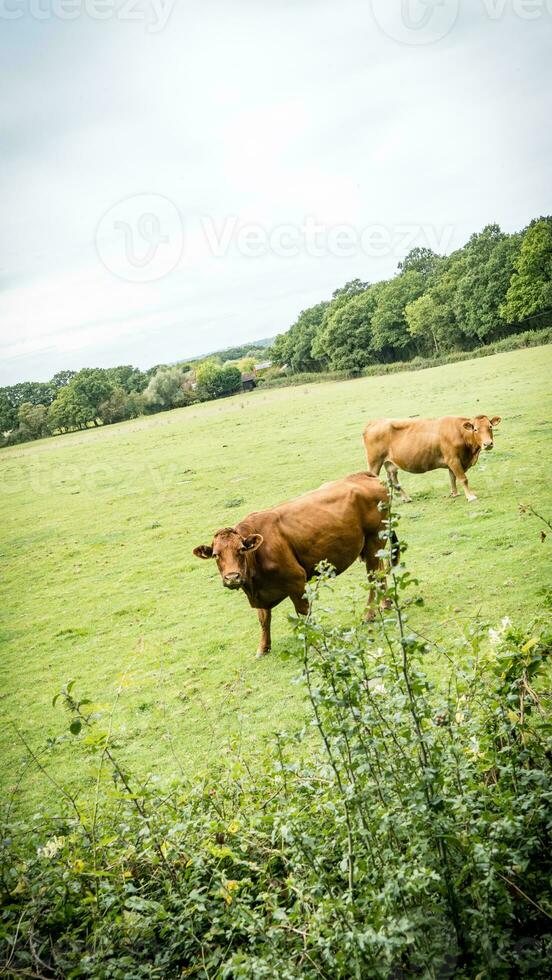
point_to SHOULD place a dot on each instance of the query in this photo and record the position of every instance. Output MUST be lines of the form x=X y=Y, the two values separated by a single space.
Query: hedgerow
x=406 y=831
x=529 y=338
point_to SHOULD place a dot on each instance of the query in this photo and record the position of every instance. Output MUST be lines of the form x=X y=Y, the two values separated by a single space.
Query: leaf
x=529 y=645
x=513 y=717
x=75 y=726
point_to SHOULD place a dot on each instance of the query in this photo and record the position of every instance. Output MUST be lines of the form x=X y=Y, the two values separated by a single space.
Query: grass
x=100 y=583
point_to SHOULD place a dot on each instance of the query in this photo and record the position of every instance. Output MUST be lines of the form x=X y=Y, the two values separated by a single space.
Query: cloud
x=263 y=114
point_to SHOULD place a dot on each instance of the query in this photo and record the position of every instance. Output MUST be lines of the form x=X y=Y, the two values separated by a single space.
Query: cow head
x=232 y=553
x=481 y=430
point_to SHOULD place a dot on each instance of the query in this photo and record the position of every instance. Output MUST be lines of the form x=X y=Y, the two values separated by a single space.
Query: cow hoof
x=454 y=495
x=407 y=500
x=261 y=653
x=471 y=497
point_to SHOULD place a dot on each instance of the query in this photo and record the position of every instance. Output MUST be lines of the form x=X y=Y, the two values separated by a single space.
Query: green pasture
x=100 y=585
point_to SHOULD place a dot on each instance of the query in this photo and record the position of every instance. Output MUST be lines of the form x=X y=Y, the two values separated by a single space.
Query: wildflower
x=229 y=887
x=233 y=827
x=51 y=847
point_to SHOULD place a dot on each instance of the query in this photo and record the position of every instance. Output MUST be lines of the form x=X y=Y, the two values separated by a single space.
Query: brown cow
x=273 y=553
x=419 y=445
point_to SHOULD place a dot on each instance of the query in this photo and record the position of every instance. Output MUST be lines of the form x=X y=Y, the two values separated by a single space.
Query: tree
x=214 y=381
x=115 y=407
x=69 y=410
x=350 y=289
x=128 y=378
x=424 y=322
x=389 y=328
x=61 y=379
x=423 y=260
x=295 y=346
x=530 y=288
x=165 y=390
x=33 y=421
x=134 y=404
x=8 y=412
x=345 y=341
x=489 y=259
x=90 y=388
x=245 y=364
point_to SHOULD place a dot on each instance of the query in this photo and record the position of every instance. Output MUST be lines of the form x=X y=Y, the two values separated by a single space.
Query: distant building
x=249 y=381
x=263 y=366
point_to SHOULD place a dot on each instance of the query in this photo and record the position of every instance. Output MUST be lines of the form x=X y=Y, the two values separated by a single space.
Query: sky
x=183 y=176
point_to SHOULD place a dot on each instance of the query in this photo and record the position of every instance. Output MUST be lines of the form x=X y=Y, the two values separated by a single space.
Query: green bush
x=412 y=839
x=214 y=381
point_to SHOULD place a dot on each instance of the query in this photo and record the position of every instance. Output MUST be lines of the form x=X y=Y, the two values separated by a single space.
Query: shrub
x=412 y=839
x=214 y=381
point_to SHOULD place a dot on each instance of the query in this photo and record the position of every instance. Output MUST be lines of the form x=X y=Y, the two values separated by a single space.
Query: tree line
x=495 y=285
x=74 y=400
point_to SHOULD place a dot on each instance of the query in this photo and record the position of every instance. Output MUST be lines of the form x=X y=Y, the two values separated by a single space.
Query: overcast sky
x=180 y=180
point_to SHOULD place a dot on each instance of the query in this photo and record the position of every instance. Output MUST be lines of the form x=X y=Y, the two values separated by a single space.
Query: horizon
x=237 y=166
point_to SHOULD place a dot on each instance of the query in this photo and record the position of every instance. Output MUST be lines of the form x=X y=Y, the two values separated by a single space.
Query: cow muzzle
x=232 y=580
x=487 y=446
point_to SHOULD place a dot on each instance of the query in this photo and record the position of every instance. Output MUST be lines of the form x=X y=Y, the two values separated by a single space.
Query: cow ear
x=496 y=420
x=252 y=542
x=203 y=551
x=468 y=425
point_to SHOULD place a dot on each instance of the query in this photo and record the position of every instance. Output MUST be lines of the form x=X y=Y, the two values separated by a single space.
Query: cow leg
x=458 y=473
x=265 y=616
x=453 y=487
x=393 y=474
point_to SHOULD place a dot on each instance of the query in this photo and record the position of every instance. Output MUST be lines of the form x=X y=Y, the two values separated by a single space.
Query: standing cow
x=273 y=553
x=419 y=445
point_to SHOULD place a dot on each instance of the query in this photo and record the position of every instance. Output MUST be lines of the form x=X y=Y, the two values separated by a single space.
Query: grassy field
x=99 y=581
